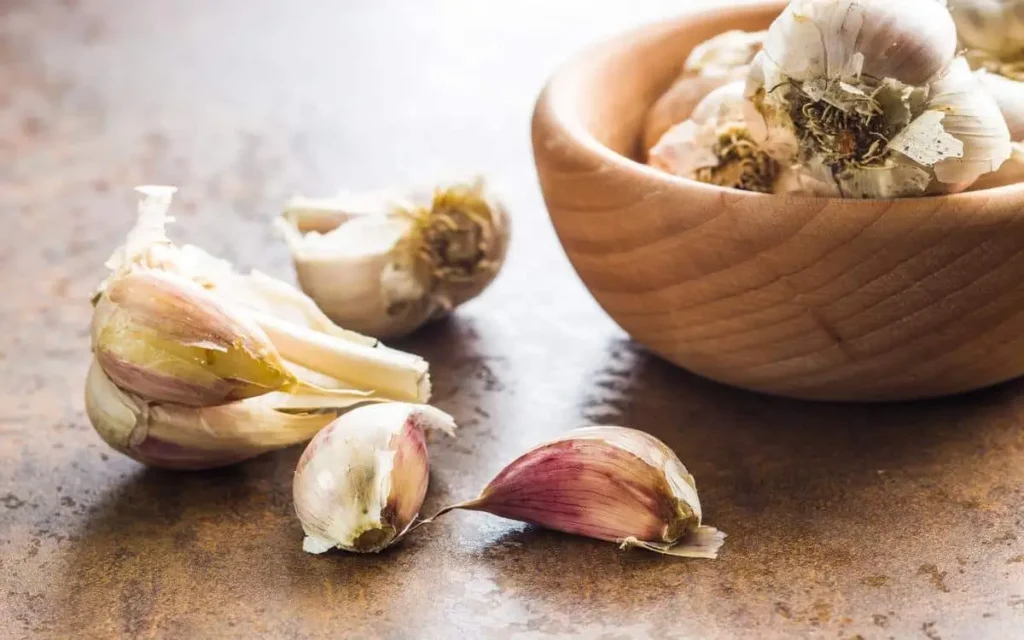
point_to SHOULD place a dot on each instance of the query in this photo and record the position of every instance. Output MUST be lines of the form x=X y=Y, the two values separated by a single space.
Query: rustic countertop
x=845 y=521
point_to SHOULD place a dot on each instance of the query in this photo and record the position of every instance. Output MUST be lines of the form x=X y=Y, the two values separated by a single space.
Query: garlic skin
x=166 y=338
x=868 y=96
x=360 y=483
x=191 y=438
x=1009 y=96
x=174 y=324
x=718 y=61
x=392 y=263
x=610 y=483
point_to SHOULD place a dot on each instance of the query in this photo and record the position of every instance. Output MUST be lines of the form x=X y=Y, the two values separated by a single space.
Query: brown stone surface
x=844 y=521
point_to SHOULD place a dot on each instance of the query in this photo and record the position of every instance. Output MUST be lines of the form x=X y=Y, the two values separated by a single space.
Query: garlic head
x=867 y=96
x=995 y=27
x=385 y=270
x=361 y=481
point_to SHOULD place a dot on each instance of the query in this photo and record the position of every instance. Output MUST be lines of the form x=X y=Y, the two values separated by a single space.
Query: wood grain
x=804 y=297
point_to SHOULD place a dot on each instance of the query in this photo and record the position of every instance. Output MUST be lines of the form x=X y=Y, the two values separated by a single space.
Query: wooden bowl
x=794 y=296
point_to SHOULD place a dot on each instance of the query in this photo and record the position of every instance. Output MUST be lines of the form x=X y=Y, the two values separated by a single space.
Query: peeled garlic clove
x=387 y=273
x=609 y=483
x=180 y=437
x=715 y=146
x=167 y=339
x=361 y=481
x=711 y=64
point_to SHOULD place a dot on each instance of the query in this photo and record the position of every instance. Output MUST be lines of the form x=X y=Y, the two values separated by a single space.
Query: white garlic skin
x=364 y=273
x=1009 y=96
x=907 y=40
x=361 y=481
x=993 y=26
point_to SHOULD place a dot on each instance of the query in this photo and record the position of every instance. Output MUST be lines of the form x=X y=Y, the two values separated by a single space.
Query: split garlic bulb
x=715 y=146
x=868 y=96
x=360 y=483
x=715 y=62
x=609 y=483
x=384 y=264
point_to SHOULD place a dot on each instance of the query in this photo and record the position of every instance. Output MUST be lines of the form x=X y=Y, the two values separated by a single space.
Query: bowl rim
x=557 y=99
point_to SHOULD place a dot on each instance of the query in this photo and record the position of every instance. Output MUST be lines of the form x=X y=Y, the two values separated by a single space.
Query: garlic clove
x=1011 y=172
x=360 y=483
x=610 y=483
x=181 y=437
x=167 y=339
x=387 y=273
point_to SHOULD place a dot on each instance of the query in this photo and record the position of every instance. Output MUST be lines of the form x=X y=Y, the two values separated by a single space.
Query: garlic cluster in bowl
x=851 y=98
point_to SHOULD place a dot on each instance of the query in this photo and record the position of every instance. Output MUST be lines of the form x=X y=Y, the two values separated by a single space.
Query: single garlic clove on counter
x=180 y=437
x=393 y=262
x=610 y=483
x=713 y=63
x=361 y=481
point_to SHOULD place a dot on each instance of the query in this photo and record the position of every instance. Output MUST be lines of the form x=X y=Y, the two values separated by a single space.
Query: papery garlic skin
x=180 y=437
x=387 y=271
x=718 y=61
x=867 y=95
x=609 y=483
x=1009 y=97
x=361 y=481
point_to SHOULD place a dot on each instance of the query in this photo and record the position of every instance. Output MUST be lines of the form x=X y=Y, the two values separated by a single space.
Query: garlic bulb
x=1009 y=96
x=995 y=27
x=361 y=481
x=713 y=63
x=176 y=325
x=867 y=95
x=182 y=437
x=715 y=146
x=385 y=265
x=608 y=483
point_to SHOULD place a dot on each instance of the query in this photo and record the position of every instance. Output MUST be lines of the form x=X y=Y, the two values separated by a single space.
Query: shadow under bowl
x=814 y=298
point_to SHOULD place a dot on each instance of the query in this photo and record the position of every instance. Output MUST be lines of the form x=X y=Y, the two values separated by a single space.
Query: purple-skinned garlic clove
x=610 y=483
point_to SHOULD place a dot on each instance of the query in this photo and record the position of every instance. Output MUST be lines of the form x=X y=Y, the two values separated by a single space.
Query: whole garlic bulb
x=713 y=63
x=360 y=483
x=384 y=264
x=715 y=146
x=868 y=95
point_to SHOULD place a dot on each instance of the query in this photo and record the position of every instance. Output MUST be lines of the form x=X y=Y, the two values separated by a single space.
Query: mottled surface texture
x=844 y=521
